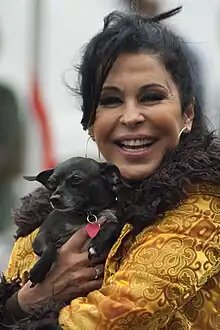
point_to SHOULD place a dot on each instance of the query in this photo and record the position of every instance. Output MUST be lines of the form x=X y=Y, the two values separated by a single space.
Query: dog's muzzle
x=55 y=201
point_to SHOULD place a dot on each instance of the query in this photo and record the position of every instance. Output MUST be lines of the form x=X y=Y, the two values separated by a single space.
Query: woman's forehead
x=140 y=69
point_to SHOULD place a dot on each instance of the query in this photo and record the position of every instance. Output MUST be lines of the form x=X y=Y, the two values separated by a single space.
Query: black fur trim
x=7 y=289
x=34 y=209
x=44 y=318
x=195 y=161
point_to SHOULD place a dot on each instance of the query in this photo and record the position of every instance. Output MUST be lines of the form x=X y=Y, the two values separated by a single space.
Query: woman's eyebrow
x=152 y=85
x=110 y=89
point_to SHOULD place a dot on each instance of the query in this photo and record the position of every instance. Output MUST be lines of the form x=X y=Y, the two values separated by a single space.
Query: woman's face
x=139 y=115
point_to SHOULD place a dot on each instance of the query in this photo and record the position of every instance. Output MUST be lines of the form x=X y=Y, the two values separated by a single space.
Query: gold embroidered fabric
x=167 y=278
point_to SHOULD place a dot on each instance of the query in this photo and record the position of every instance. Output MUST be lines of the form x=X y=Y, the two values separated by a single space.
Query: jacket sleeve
x=161 y=272
x=21 y=259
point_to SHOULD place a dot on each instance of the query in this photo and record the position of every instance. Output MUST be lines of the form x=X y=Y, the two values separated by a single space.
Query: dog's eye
x=51 y=184
x=75 y=180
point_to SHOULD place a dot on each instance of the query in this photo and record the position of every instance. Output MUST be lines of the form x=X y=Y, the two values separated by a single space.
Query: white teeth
x=136 y=143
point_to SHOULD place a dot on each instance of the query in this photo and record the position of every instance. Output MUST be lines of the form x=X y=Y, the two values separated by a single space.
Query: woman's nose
x=132 y=115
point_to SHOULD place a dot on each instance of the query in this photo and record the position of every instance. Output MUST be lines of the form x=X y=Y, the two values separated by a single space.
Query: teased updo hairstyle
x=134 y=33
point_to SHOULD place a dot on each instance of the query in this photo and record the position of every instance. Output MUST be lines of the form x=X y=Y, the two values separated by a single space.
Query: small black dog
x=82 y=191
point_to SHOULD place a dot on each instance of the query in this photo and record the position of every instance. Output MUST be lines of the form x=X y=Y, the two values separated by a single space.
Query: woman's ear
x=188 y=116
x=91 y=133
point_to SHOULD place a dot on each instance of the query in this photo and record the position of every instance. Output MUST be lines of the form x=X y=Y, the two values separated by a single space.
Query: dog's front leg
x=39 y=271
x=107 y=235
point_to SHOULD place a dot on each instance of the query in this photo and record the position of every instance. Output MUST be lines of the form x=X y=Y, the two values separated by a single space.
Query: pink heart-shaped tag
x=92 y=229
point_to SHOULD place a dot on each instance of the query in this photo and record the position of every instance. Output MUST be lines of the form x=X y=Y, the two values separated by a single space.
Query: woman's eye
x=151 y=97
x=110 y=102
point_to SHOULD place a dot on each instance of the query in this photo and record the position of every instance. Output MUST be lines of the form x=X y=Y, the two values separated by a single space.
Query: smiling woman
x=140 y=106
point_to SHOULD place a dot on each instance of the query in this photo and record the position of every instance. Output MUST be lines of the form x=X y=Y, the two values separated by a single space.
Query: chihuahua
x=82 y=191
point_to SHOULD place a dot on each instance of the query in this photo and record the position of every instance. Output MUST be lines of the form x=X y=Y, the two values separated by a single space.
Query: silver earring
x=99 y=155
x=91 y=137
x=87 y=143
x=181 y=132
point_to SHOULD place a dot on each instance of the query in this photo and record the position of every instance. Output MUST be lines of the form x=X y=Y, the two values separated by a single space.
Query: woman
x=139 y=107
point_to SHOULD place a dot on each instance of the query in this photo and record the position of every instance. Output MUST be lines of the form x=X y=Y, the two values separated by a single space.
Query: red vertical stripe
x=42 y=117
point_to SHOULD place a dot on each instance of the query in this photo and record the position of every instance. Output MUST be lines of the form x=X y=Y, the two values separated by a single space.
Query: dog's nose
x=55 y=200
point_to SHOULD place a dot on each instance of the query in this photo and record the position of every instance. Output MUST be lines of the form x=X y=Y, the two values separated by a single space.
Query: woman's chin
x=135 y=172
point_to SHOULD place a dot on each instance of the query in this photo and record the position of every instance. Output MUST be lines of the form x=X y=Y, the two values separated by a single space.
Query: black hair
x=133 y=33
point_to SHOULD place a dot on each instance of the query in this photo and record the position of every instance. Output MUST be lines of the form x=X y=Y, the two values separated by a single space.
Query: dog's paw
x=104 y=240
x=91 y=253
x=108 y=215
x=37 y=274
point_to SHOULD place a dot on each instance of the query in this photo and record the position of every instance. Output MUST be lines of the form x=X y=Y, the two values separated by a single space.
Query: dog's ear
x=42 y=177
x=112 y=174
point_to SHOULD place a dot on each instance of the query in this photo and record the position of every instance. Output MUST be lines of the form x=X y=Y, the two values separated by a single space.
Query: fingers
x=98 y=271
x=88 y=274
x=76 y=242
x=101 y=221
x=84 y=288
x=99 y=260
x=78 y=281
x=90 y=286
x=81 y=291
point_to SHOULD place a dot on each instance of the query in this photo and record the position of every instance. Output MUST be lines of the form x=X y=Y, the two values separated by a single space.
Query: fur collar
x=195 y=161
x=34 y=209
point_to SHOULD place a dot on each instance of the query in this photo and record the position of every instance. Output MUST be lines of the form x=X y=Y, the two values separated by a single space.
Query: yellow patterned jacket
x=168 y=278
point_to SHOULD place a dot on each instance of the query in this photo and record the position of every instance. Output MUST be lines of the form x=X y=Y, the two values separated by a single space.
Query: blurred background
x=40 y=43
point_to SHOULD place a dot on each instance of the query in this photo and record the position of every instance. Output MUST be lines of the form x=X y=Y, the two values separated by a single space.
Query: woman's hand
x=73 y=275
